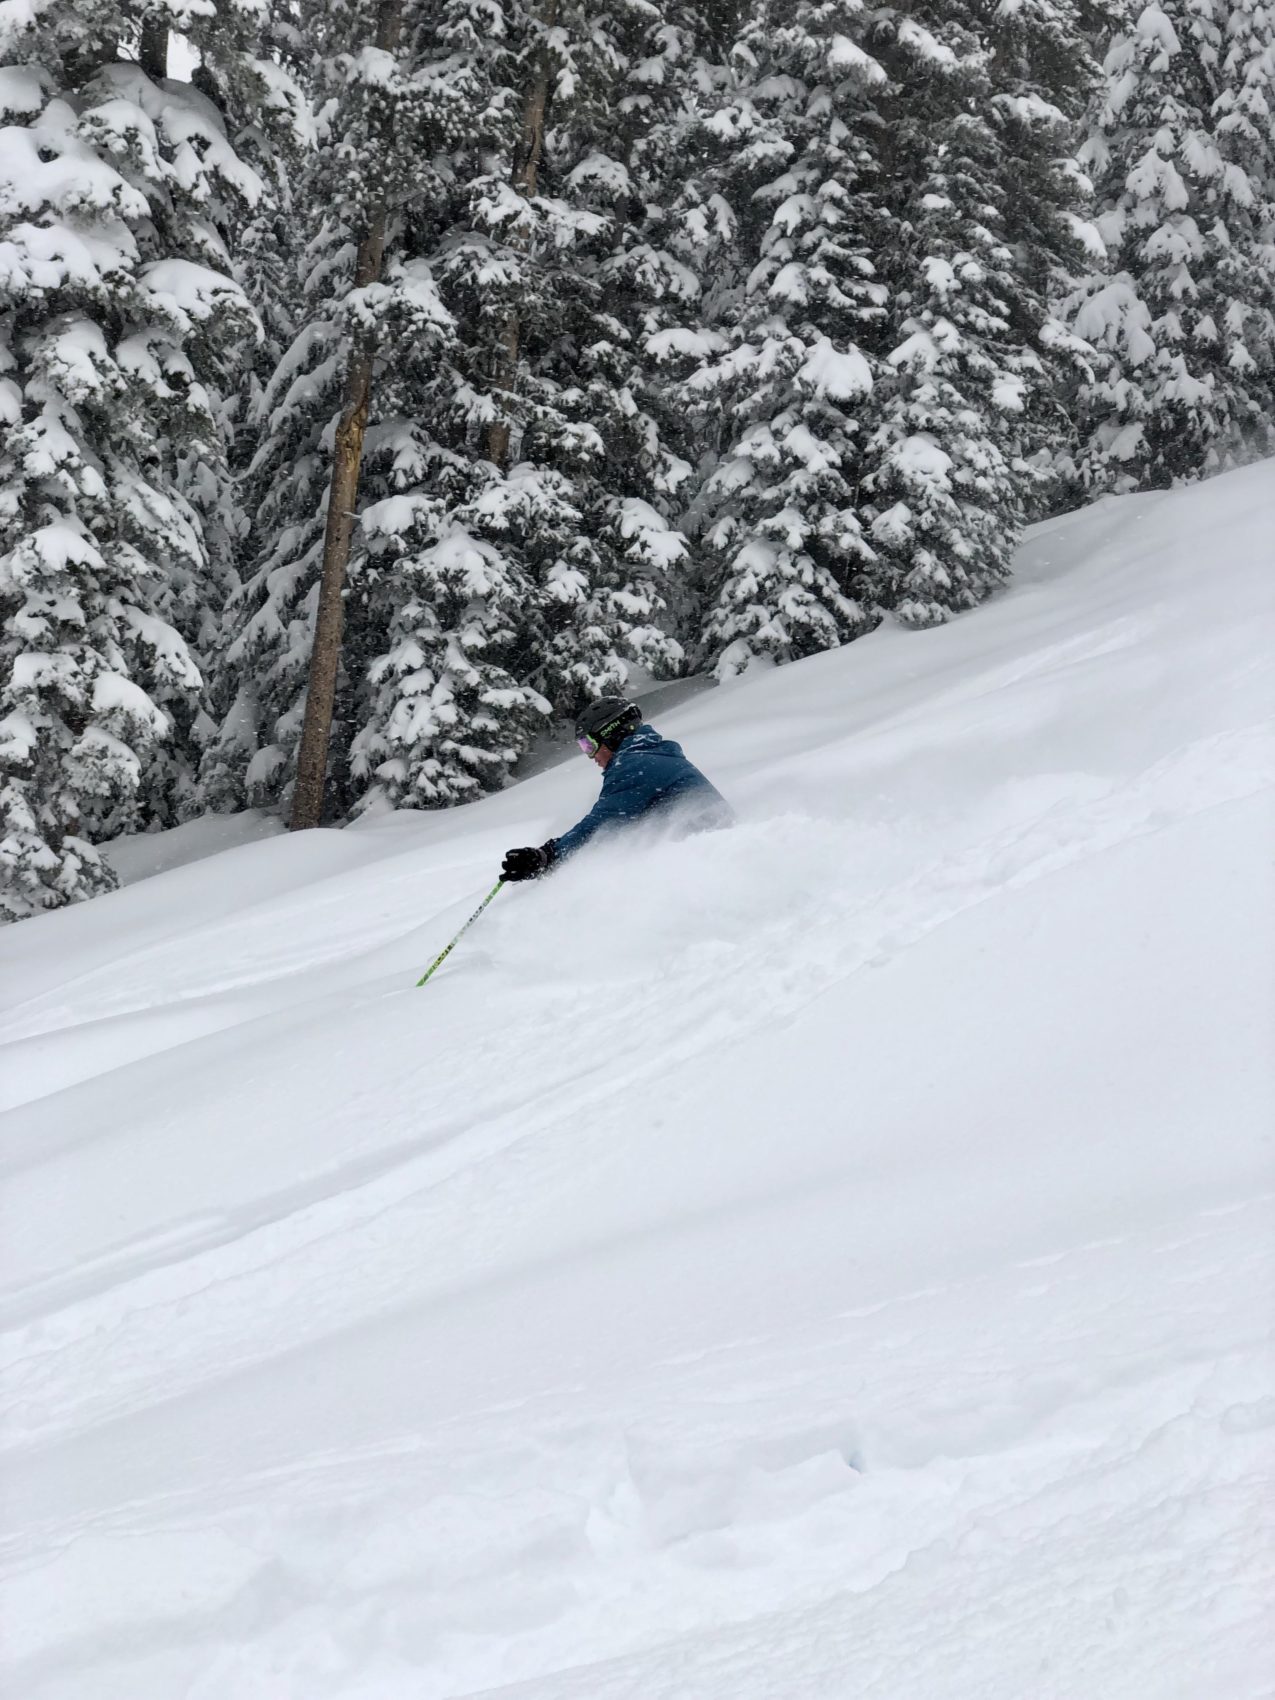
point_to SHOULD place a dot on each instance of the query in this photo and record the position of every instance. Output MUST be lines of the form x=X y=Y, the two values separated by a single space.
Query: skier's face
x=594 y=750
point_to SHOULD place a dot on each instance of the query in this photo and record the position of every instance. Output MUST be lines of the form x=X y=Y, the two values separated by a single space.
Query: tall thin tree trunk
x=526 y=170
x=325 y=657
x=153 y=49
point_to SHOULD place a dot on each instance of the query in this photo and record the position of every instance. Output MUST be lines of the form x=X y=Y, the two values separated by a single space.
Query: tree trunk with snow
x=325 y=657
x=525 y=172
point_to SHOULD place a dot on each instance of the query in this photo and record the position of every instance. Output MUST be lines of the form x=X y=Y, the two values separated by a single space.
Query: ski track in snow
x=712 y=1506
x=355 y=1199
x=886 y=1311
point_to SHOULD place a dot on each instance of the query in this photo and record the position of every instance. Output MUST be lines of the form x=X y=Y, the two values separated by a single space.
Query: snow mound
x=139 y=855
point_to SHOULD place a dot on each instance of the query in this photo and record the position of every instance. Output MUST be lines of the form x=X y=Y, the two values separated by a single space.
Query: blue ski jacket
x=648 y=775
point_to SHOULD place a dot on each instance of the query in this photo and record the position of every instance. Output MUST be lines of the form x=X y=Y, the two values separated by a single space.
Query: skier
x=643 y=775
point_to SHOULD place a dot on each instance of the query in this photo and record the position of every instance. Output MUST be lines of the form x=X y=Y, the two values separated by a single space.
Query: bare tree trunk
x=153 y=49
x=526 y=170
x=325 y=656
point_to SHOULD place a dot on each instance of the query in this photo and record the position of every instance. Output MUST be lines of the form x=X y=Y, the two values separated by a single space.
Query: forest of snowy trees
x=378 y=382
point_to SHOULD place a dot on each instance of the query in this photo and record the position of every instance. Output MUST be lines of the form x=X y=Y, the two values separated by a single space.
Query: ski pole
x=444 y=954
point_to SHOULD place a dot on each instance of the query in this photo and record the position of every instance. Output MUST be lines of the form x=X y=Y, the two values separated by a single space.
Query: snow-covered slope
x=828 y=1258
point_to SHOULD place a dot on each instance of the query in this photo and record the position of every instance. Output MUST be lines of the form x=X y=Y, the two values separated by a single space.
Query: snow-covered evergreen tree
x=788 y=210
x=383 y=121
x=587 y=412
x=251 y=68
x=117 y=321
x=445 y=597
x=1182 y=155
x=538 y=544
x=983 y=215
x=268 y=265
x=515 y=538
x=891 y=203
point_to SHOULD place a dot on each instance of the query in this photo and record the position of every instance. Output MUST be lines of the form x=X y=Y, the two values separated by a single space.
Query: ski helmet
x=607 y=721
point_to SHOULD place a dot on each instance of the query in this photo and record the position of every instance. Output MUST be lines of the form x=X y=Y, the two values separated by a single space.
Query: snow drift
x=831 y=1257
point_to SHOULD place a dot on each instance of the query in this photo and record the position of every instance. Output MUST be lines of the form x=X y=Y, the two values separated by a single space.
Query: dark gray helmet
x=607 y=721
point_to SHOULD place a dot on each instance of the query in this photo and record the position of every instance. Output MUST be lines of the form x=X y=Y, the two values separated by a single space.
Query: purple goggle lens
x=590 y=746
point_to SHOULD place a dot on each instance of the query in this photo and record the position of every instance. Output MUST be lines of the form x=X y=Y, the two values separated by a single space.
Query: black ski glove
x=527 y=864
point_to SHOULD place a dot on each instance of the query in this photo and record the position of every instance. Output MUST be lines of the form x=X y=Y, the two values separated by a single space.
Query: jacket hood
x=647 y=739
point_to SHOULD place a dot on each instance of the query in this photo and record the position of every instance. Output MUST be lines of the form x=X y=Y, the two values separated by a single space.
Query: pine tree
x=269 y=255
x=1244 y=128
x=384 y=123
x=533 y=527
x=1183 y=319
x=251 y=70
x=786 y=211
x=515 y=544
x=444 y=595
x=983 y=217
x=888 y=208
x=117 y=321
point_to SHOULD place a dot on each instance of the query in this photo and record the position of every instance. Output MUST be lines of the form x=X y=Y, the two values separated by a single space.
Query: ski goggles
x=590 y=746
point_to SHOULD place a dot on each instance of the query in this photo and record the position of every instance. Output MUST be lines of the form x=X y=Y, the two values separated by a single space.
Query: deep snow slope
x=827 y=1258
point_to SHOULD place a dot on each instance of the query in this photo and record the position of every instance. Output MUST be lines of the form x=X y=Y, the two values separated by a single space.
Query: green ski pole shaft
x=444 y=954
